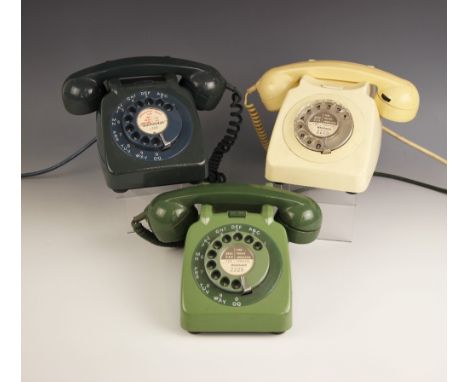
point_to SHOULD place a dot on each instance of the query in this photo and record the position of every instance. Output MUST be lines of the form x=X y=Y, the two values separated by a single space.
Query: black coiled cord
x=225 y=144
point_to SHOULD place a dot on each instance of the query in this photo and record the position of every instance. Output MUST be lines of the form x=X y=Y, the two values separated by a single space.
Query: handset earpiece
x=273 y=86
x=398 y=103
x=170 y=220
x=207 y=87
x=82 y=95
x=302 y=222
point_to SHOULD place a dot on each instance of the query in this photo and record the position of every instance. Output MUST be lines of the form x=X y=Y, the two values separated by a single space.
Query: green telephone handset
x=236 y=273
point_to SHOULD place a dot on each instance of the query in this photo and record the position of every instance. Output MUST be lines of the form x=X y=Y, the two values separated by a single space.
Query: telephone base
x=162 y=176
x=207 y=308
x=234 y=323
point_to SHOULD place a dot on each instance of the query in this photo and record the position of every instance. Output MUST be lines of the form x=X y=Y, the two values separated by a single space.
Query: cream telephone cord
x=264 y=140
x=256 y=120
x=414 y=145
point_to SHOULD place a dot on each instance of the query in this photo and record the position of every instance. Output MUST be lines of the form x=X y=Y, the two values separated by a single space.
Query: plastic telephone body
x=148 y=129
x=236 y=272
x=328 y=130
x=348 y=168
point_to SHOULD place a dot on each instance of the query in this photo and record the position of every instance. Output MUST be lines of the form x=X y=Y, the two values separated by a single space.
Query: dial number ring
x=149 y=123
x=323 y=126
x=222 y=287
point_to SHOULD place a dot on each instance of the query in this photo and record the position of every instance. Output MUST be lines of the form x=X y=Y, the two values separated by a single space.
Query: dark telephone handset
x=83 y=90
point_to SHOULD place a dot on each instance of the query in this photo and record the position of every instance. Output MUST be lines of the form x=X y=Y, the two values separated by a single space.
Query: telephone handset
x=236 y=273
x=84 y=90
x=396 y=98
x=148 y=128
x=328 y=130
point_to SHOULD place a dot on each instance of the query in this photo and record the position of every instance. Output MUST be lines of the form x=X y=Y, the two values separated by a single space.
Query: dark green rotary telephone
x=148 y=130
x=236 y=272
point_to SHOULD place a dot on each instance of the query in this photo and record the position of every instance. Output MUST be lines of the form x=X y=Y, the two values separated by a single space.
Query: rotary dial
x=323 y=126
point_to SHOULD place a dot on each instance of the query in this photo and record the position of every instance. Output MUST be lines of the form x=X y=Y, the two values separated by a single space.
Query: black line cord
x=411 y=181
x=61 y=163
x=225 y=144
x=394 y=177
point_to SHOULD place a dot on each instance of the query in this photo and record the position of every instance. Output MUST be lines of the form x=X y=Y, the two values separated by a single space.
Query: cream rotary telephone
x=328 y=130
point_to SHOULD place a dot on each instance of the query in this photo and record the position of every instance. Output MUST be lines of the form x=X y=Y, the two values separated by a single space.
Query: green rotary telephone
x=236 y=272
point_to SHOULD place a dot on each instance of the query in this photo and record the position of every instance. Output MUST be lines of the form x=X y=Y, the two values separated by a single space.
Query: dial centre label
x=152 y=120
x=237 y=260
x=323 y=124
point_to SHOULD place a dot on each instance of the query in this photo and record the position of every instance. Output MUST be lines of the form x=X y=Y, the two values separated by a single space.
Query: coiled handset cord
x=225 y=144
x=256 y=120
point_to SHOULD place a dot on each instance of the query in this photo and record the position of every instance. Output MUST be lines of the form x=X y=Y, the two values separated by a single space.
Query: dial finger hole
x=159 y=102
x=129 y=128
x=215 y=275
x=156 y=141
x=236 y=284
x=211 y=254
x=211 y=265
x=149 y=101
x=258 y=246
x=145 y=140
x=225 y=282
x=135 y=135
x=168 y=107
x=217 y=244
x=237 y=236
x=128 y=118
x=140 y=103
x=249 y=239
x=131 y=109
x=226 y=239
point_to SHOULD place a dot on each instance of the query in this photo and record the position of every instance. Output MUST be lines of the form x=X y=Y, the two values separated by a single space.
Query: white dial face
x=323 y=124
x=237 y=260
x=152 y=120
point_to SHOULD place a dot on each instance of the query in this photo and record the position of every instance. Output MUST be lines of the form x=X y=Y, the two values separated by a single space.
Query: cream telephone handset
x=328 y=130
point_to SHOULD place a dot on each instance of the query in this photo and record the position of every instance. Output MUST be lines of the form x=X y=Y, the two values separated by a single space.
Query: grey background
x=99 y=304
x=242 y=40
